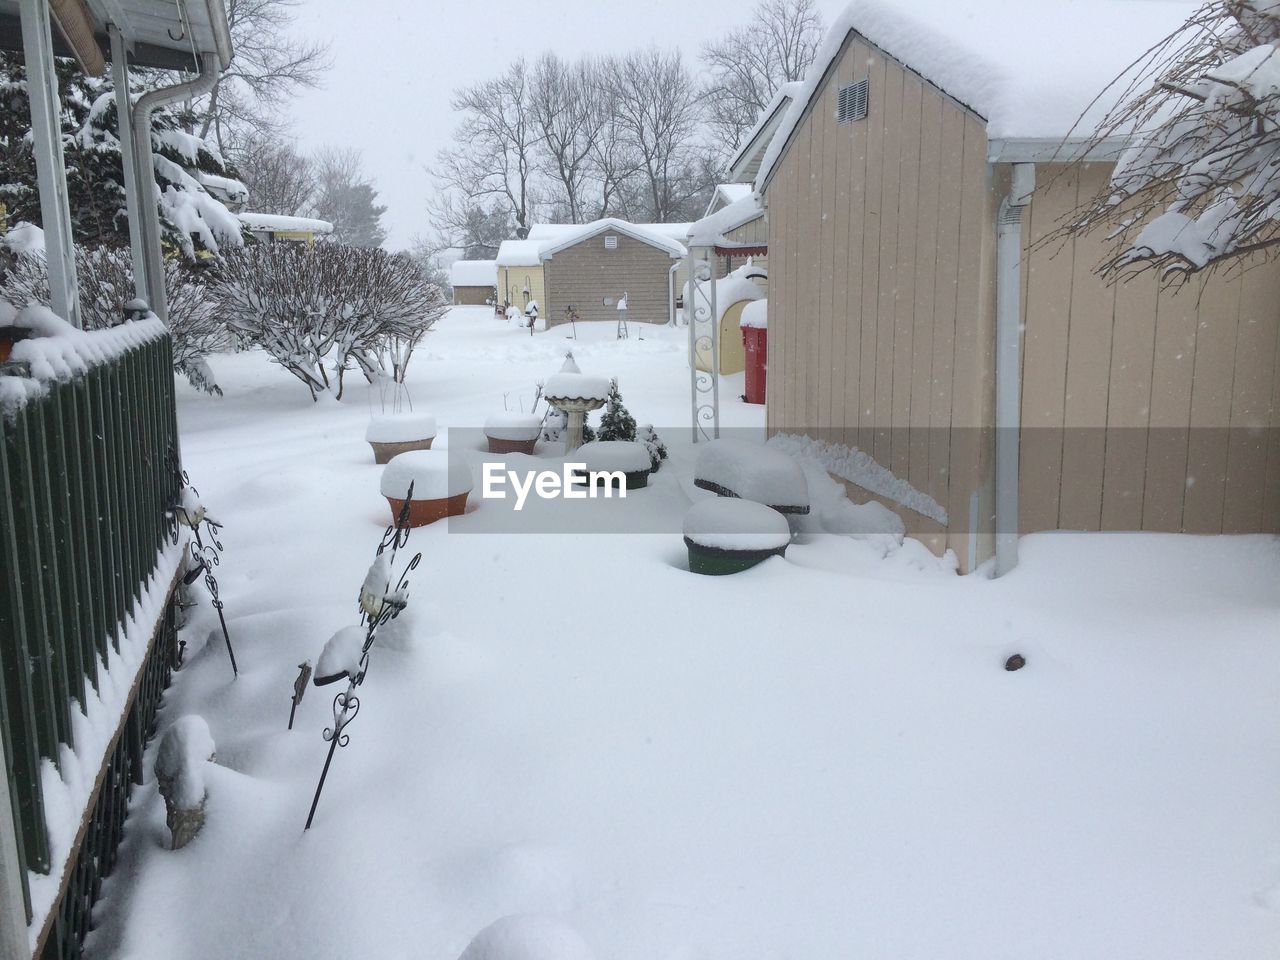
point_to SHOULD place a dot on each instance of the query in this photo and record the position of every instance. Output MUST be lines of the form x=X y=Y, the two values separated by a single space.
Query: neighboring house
x=590 y=266
x=520 y=273
x=273 y=228
x=473 y=281
x=737 y=233
x=923 y=133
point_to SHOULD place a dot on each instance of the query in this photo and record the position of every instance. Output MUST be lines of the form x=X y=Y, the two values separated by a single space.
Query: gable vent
x=611 y=242
x=852 y=102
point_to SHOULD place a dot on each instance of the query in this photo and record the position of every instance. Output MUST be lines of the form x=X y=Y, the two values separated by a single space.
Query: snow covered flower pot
x=727 y=535
x=752 y=471
x=513 y=432
x=628 y=457
x=391 y=434
x=440 y=485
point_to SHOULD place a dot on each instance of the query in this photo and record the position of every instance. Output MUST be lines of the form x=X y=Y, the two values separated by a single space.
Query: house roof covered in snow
x=725 y=194
x=473 y=273
x=278 y=223
x=710 y=230
x=519 y=253
x=558 y=231
x=1030 y=68
x=637 y=231
x=746 y=161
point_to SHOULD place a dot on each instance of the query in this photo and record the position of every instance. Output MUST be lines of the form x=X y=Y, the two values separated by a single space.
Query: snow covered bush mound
x=528 y=937
x=105 y=278
x=433 y=473
x=329 y=304
x=400 y=428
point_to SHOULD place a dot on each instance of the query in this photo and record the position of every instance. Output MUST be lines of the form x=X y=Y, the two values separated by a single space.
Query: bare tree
x=748 y=64
x=494 y=156
x=345 y=196
x=268 y=66
x=464 y=225
x=567 y=108
x=1199 y=183
x=279 y=177
x=659 y=114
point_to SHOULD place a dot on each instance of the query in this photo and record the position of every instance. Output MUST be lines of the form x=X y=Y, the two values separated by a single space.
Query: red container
x=755 y=340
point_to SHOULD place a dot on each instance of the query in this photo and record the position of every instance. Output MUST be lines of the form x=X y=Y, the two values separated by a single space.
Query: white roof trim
x=634 y=231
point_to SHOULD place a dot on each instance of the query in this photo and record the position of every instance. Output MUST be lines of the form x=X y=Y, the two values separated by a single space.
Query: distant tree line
x=642 y=135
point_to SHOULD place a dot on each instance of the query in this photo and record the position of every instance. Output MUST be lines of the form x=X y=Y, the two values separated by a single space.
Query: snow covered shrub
x=327 y=304
x=657 y=449
x=105 y=277
x=616 y=423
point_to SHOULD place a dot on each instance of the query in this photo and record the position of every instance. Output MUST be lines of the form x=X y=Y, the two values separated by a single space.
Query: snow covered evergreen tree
x=657 y=449
x=191 y=219
x=616 y=422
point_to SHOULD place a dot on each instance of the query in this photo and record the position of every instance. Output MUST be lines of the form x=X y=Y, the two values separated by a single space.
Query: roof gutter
x=1008 y=360
x=1055 y=149
x=149 y=281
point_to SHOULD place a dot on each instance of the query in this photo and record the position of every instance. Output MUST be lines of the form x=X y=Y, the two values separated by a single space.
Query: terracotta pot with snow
x=513 y=432
x=728 y=535
x=440 y=484
x=391 y=434
x=628 y=457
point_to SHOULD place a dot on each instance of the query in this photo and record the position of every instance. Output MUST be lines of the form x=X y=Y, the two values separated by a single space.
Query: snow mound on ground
x=184 y=750
x=433 y=473
x=400 y=428
x=629 y=456
x=513 y=426
x=752 y=471
x=850 y=463
x=528 y=937
x=728 y=524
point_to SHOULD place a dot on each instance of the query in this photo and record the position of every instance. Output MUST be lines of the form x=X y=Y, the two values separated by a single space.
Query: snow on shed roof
x=473 y=273
x=519 y=253
x=278 y=223
x=663 y=236
x=558 y=231
x=727 y=193
x=1030 y=68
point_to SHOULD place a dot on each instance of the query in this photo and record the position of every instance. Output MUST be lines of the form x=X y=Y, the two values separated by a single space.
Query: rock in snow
x=528 y=937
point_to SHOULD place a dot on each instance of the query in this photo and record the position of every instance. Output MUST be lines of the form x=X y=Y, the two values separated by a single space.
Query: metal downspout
x=149 y=281
x=124 y=123
x=1008 y=360
x=671 y=294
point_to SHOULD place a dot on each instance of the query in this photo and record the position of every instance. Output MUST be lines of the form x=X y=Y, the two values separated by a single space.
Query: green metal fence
x=87 y=478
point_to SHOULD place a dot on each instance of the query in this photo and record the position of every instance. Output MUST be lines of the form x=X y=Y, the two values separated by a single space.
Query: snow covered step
x=631 y=457
x=752 y=471
x=391 y=434
x=513 y=432
x=728 y=535
x=440 y=484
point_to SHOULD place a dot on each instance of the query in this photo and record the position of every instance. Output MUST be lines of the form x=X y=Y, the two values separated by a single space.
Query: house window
x=611 y=243
x=852 y=102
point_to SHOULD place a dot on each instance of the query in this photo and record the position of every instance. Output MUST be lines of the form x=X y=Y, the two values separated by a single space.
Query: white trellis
x=704 y=335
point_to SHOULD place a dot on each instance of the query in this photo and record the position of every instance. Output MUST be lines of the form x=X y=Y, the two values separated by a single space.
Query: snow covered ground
x=820 y=758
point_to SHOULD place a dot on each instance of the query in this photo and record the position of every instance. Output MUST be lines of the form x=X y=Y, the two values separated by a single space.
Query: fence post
x=13 y=917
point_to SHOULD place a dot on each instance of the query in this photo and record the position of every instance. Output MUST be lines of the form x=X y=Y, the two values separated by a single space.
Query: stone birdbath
x=577 y=394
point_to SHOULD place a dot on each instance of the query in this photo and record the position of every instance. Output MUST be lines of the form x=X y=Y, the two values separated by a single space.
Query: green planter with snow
x=727 y=535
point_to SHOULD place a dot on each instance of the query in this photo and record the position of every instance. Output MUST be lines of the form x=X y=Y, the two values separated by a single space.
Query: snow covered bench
x=440 y=485
x=727 y=535
x=752 y=471
x=513 y=432
x=629 y=457
x=391 y=434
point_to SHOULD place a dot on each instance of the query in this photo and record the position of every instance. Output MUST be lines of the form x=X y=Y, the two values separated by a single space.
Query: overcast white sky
x=395 y=63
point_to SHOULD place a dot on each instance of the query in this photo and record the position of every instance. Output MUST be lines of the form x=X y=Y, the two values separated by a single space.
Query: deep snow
x=820 y=758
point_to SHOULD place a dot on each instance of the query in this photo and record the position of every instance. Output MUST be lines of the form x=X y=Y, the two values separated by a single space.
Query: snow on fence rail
x=89 y=558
